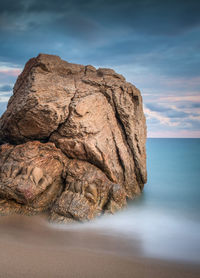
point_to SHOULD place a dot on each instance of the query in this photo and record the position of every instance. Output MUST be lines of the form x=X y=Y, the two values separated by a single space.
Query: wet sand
x=30 y=248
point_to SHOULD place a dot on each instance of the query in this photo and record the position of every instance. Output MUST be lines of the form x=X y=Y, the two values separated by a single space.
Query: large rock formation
x=72 y=141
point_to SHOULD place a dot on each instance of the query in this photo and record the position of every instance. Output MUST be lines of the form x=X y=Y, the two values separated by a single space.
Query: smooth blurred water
x=170 y=204
x=173 y=176
x=165 y=219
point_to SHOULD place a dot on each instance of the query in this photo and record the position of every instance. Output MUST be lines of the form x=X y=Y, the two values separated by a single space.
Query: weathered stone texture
x=94 y=120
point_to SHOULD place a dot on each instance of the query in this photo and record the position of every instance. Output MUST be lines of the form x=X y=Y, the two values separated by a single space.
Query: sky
x=155 y=44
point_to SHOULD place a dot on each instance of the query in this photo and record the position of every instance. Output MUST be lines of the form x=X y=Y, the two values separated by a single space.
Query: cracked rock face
x=73 y=141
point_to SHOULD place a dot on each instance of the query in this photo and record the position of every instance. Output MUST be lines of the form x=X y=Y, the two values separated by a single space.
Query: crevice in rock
x=121 y=162
x=105 y=206
x=134 y=155
x=97 y=164
x=111 y=101
x=104 y=169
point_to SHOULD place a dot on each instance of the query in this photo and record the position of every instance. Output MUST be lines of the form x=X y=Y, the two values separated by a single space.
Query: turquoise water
x=165 y=220
x=170 y=203
x=173 y=176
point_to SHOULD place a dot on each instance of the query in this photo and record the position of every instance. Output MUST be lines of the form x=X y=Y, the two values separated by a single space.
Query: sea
x=165 y=220
x=163 y=223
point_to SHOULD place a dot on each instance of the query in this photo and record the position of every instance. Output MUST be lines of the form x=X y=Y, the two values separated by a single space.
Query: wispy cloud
x=5 y=88
x=174 y=134
x=4 y=98
x=10 y=71
x=195 y=98
x=158 y=116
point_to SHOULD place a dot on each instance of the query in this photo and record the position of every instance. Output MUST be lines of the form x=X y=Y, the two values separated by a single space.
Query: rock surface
x=73 y=141
x=32 y=174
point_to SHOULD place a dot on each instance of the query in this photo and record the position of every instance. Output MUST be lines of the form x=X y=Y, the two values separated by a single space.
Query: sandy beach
x=30 y=248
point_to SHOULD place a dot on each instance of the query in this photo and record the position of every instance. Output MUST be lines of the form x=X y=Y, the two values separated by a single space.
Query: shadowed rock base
x=72 y=141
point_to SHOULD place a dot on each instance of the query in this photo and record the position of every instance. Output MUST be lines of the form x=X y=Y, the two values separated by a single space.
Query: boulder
x=81 y=130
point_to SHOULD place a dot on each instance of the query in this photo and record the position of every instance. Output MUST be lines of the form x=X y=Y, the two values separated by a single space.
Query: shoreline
x=27 y=261
x=29 y=248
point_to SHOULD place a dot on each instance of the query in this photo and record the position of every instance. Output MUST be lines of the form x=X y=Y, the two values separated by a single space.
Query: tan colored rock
x=31 y=174
x=95 y=118
x=88 y=193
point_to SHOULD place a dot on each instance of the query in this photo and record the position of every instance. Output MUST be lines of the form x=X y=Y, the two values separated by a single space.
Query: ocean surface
x=164 y=222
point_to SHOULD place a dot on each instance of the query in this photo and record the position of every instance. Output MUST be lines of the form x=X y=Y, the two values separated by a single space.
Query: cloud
x=195 y=98
x=4 y=99
x=5 y=88
x=154 y=44
x=172 y=111
x=158 y=116
x=190 y=105
x=174 y=134
x=151 y=26
x=10 y=72
x=9 y=69
x=157 y=107
x=3 y=106
x=171 y=118
x=173 y=16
